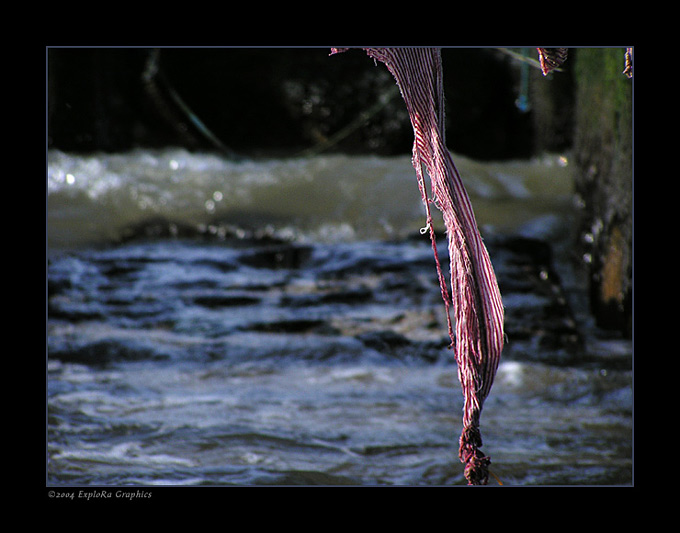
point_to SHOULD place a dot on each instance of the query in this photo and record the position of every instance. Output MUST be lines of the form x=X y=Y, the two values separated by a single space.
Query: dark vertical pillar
x=603 y=154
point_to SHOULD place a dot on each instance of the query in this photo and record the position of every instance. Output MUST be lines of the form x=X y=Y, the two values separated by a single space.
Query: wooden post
x=603 y=154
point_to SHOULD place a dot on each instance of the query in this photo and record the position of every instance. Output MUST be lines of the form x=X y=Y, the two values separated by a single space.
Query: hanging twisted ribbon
x=476 y=299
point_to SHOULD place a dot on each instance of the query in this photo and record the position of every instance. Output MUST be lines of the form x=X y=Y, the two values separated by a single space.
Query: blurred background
x=282 y=101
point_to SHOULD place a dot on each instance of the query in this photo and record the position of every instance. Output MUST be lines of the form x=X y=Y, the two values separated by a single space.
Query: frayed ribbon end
x=477 y=468
x=476 y=463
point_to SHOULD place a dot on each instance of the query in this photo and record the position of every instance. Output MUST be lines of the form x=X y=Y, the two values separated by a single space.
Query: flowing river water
x=279 y=322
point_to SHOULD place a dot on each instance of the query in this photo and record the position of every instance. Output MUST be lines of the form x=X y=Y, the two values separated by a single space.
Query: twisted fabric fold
x=476 y=299
x=551 y=58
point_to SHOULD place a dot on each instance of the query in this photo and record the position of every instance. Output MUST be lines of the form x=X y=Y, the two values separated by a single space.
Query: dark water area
x=279 y=322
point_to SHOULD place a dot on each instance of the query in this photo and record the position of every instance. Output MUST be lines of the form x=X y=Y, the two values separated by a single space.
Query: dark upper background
x=279 y=101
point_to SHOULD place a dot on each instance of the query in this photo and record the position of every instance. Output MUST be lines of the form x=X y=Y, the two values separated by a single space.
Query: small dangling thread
x=496 y=478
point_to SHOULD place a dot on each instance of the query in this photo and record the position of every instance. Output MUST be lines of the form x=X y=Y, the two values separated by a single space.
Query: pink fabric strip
x=477 y=304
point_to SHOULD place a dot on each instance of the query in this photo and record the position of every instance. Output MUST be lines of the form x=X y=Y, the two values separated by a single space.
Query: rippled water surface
x=279 y=322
